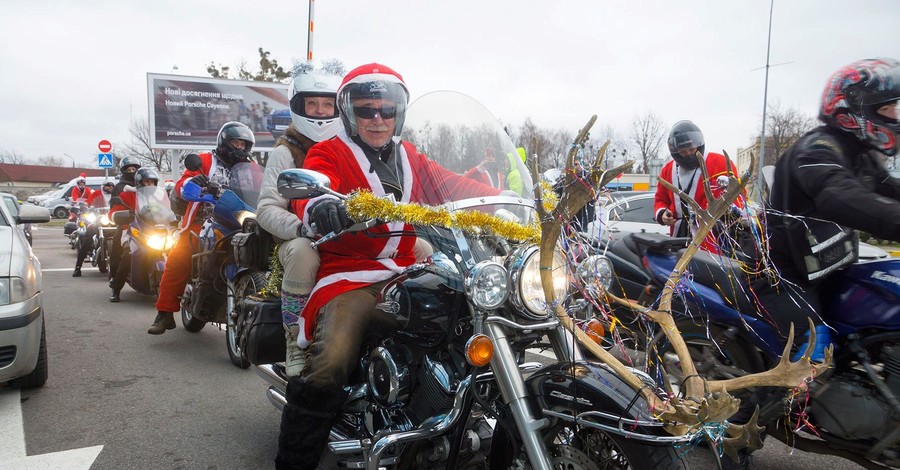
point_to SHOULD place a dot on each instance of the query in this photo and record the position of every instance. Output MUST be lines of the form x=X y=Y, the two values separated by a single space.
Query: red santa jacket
x=96 y=199
x=716 y=165
x=484 y=177
x=81 y=194
x=356 y=260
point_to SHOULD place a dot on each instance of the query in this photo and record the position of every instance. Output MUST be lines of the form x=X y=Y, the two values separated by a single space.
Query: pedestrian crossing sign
x=105 y=160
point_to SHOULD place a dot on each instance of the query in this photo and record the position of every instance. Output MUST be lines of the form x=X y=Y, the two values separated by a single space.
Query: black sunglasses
x=368 y=112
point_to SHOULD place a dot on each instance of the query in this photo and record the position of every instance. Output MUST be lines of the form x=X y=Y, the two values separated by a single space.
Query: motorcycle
x=450 y=388
x=75 y=223
x=853 y=407
x=149 y=236
x=103 y=231
x=213 y=268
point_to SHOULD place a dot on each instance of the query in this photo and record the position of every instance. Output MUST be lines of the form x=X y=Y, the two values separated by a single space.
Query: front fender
x=588 y=386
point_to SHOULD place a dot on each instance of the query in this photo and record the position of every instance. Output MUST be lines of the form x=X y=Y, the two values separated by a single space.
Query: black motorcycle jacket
x=834 y=183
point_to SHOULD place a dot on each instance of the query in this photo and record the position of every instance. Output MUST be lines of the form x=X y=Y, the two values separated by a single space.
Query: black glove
x=200 y=180
x=330 y=215
x=213 y=189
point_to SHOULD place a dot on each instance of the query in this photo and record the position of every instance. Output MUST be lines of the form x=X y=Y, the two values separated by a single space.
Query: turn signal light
x=479 y=350
x=595 y=330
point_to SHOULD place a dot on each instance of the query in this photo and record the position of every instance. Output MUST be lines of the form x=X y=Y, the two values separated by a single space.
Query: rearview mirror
x=192 y=162
x=304 y=184
x=29 y=214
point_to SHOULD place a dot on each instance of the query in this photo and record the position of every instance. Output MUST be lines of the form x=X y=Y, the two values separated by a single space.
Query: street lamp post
x=73 y=160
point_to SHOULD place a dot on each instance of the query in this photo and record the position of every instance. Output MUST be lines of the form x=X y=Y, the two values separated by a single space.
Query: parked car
x=60 y=203
x=13 y=205
x=39 y=198
x=277 y=121
x=23 y=341
x=627 y=212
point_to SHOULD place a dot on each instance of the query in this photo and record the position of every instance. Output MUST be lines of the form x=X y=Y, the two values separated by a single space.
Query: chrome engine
x=848 y=406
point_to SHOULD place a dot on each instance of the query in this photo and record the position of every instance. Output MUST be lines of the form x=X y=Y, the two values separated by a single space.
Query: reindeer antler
x=702 y=402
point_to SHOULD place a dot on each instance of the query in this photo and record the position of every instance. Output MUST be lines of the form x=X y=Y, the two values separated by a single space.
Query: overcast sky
x=74 y=72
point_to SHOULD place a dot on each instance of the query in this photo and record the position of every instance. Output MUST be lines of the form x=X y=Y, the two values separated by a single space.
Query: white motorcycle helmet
x=308 y=85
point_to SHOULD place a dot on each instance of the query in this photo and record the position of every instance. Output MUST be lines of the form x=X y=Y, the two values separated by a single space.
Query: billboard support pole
x=309 y=37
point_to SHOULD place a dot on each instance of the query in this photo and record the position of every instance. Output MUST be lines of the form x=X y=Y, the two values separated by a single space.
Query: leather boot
x=77 y=272
x=305 y=425
x=114 y=296
x=164 y=321
x=295 y=358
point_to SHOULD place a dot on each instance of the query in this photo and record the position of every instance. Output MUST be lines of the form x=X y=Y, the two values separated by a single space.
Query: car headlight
x=487 y=285
x=528 y=292
x=595 y=273
x=14 y=290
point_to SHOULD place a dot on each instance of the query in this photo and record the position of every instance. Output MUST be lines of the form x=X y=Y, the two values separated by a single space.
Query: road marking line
x=12 y=442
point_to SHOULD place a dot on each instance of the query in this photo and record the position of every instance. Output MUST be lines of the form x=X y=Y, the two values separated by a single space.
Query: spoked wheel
x=190 y=323
x=575 y=447
x=248 y=283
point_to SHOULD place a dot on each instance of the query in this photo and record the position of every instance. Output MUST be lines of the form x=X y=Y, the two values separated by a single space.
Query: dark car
x=13 y=205
x=278 y=121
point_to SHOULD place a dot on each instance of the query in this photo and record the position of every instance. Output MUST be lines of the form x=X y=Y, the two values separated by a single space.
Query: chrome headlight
x=595 y=273
x=104 y=220
x=487 y=285
x=160 y=241
x=90 y=217
x=528 y=293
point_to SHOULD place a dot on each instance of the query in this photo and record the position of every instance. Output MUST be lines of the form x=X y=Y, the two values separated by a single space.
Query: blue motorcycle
x=217 y=282
x=854 y=407
x=149 y=237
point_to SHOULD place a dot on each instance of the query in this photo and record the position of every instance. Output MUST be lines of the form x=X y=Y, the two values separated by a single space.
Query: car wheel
x=60 y=212
x=38 y=377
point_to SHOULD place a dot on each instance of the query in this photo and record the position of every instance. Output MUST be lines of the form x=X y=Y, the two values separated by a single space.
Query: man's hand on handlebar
x=330 y=215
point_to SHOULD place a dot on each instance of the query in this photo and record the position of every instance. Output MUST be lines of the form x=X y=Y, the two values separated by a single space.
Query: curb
x=894 y=253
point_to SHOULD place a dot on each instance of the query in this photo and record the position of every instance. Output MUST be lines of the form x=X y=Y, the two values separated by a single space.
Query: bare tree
x=647 y=134
x=11 y=156
x=616 y=152
x=52 y=160
x=139 y=147
x=783 y=128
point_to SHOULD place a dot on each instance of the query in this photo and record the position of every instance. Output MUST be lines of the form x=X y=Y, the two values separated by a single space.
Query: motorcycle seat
x=726 y=276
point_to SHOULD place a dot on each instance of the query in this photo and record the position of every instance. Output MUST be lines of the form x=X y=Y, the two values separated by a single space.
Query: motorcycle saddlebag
x=265 y=333
x=252 y=247
x=69 y=227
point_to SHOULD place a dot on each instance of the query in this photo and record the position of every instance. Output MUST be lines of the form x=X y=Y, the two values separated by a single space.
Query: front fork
x=512 y=387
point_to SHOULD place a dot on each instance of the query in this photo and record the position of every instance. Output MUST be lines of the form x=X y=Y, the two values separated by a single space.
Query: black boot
x=305 y=425
x=114 y=297
x=77 y=272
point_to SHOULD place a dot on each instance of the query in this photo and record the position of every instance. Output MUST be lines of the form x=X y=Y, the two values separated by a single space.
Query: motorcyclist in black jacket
x=831 y=182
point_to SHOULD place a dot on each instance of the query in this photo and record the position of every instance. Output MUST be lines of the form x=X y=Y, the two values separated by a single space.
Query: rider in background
x=687 y=146
x=233 y=145
x=96 y=199
x=127 y=168
x=366 y=154
x=314 y=118
x=143 y=177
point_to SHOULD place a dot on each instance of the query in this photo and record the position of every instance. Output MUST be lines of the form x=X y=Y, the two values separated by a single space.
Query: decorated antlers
x=702 y=401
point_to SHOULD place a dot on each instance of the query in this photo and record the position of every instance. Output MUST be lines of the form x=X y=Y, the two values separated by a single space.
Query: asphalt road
x=173 y=401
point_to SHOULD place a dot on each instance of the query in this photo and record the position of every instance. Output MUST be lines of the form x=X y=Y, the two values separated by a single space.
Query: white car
x=624 y=212
x=23 y=344
x=632 y=212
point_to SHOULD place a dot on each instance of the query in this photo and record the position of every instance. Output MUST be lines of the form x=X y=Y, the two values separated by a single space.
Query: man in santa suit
x=686 y=145
x=366 y=154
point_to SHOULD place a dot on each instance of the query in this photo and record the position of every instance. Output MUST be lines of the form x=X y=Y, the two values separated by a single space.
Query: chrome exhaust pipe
x=276 y=398
x=267 y=373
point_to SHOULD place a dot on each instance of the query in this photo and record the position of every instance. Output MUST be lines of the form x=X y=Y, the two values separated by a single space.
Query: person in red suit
x=233 y=145
x=81 y=191
x=490 y=171
x=687 y=146
x=366 y=154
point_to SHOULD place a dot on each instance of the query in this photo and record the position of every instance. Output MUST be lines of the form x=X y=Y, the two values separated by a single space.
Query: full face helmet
x=852 y=97
x=374 y=81
x=233 y=130
x=128 y=163
x=144 y=175
x=314 y=85
x=686 y=135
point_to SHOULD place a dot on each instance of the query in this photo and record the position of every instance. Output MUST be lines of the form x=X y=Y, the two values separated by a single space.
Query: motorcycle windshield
x=152 y=206
x=245 y=181
x=476 y=157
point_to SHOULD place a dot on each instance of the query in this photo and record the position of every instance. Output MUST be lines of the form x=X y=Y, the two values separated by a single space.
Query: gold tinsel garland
x=363 y=205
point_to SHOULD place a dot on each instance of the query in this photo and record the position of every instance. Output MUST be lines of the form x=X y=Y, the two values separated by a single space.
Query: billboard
x=187 y=112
